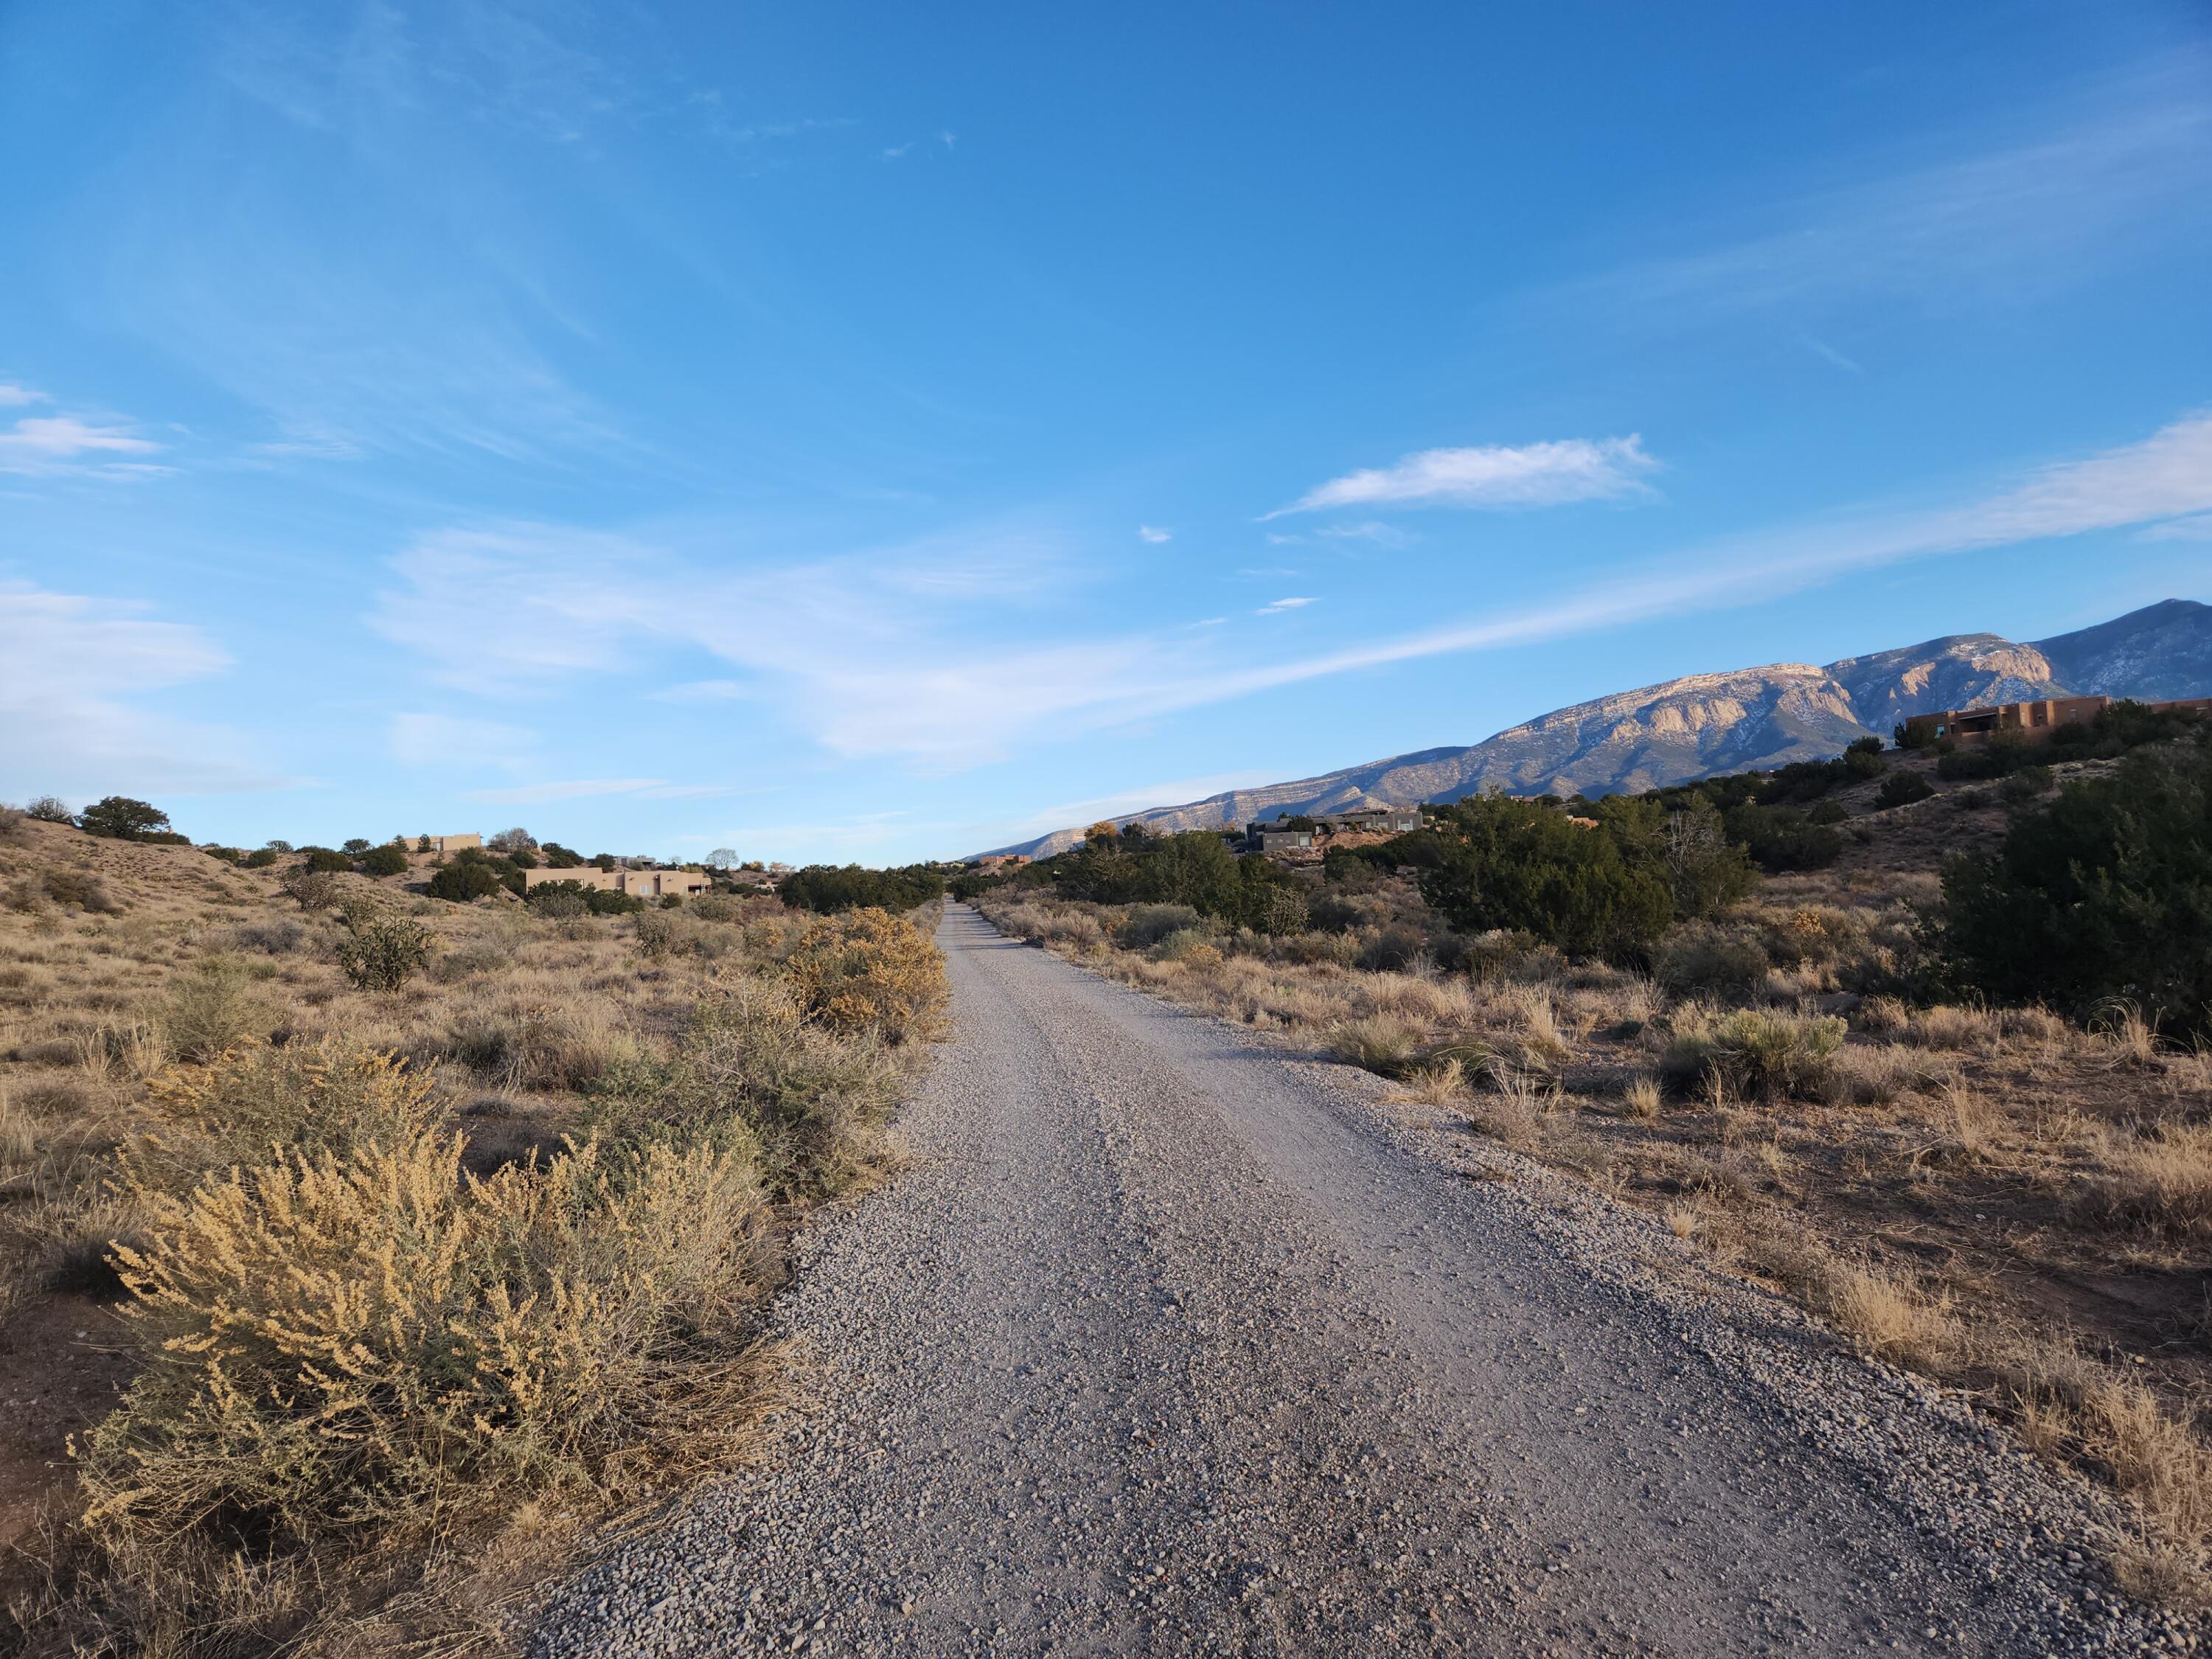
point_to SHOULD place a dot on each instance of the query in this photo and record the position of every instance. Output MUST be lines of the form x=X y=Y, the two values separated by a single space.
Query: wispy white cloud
x=460 y=741
x=1154 y=534
x=13 y=395
x=904 y=653
x=700 y=692
x=2195 y=528
x=1829 y=355
x=876 y=652
x=74 y=681
x=47 y=444
x=1277 y=606
x=2002 y=217
x=1370 y=530
x=1495 y=475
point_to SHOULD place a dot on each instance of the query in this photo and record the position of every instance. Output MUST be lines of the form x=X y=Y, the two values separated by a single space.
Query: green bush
x=1495 y=862
x=1148 y=923
x=2026 y=784
x=310 y=888
x=1864 y=758
x=2103 y=894
x=1902 y=789
x=50 y=809
x=354 y=848
x=466 y=883
x=826 y=887
x=382 y=951
x=2001 y=757
x=121 y=818
x=1781 y=838
x=386 y=861
x=327 y=861
x=260 y=858
x=1706 y=871
x=223 y=855
x=573 y=898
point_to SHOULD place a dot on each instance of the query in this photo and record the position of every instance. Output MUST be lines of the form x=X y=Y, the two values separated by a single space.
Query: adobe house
x=2028 y=721
x=1000 y=861
x=453 y=843
x=638 y=883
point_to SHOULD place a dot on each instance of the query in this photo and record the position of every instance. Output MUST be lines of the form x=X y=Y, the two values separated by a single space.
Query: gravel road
x=1168 y=1342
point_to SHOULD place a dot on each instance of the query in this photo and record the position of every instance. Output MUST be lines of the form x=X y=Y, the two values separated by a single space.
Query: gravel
x=1170 y=1342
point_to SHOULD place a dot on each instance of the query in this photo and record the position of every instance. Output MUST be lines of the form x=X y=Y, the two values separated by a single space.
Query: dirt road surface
x=1166 y=1342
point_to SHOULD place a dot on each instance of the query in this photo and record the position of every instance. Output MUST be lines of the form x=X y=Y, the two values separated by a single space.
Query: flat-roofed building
x=638 y=883
x=453 y=843
x=2027 y=720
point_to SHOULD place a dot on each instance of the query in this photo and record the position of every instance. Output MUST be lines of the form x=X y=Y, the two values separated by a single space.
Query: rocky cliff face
x=1706 y=724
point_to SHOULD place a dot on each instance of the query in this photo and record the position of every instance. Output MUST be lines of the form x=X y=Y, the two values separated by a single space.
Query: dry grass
x=2158 y=1183
x=407 y=1265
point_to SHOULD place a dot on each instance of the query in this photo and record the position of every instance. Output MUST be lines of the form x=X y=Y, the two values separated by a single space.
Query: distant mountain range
x=1705 y=724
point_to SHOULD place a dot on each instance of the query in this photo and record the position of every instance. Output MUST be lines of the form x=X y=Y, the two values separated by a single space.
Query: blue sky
x=842 y=432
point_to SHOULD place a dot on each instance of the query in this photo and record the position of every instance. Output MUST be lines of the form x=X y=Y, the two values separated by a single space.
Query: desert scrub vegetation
x=362 y=1258
x=1830 y=1064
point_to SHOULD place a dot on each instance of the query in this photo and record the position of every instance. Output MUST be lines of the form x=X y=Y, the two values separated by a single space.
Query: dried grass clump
x=2068 y=1405
x=867 y=969
x=2160 y=1184
x=356 y=1357
x=1753 y=1052
x=1643 y=1097
x=81 y=889
x=1878 y=1016
x=1877 y=1074
x=215 y=1006
x=2130 y=1039
x=1947 y=1026
x=1889 y=1318
x=1514 y=1114
x=1382 y=1043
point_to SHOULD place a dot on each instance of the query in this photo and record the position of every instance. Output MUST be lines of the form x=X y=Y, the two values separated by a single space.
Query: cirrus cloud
x=1494 y=475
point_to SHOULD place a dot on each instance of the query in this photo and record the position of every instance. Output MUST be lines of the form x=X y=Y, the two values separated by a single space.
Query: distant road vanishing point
x=1166 y=1343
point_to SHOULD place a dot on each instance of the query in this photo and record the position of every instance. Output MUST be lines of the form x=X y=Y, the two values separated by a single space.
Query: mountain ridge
x=1701 y=724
